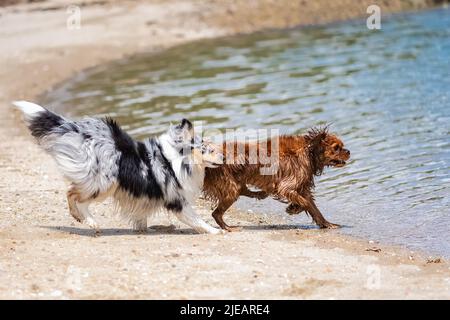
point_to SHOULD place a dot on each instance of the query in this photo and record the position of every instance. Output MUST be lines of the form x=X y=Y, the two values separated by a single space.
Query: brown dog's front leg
x=319 y=218
x=307 y=202
x=220 y=211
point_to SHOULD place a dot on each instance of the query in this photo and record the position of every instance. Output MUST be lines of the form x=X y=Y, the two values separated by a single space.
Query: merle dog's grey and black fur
x=99 y=160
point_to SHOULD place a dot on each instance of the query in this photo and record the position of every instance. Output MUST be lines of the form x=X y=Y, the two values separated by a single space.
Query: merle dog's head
x=194 y=147
x=182 y=134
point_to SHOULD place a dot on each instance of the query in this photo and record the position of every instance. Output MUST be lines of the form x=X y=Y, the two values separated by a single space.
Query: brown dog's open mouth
x=337 y=163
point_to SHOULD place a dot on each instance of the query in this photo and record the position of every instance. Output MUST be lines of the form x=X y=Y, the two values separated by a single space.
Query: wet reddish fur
x=300 y=159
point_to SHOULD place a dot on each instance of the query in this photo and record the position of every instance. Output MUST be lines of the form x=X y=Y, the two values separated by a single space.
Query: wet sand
x=44 y=253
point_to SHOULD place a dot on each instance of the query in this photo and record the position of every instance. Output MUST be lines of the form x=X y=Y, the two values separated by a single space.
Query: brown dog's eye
x=335 y=147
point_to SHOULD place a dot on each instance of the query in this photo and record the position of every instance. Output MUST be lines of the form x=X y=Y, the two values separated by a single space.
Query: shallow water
x=386 y=93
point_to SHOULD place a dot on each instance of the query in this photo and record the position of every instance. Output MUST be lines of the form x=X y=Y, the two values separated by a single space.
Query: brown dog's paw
x=255 y=194
x=233 y=229
x=329 y=225
x=294 y=209
x=261 y=195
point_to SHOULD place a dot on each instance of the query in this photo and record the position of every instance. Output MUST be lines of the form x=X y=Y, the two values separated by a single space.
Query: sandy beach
x=45 y=254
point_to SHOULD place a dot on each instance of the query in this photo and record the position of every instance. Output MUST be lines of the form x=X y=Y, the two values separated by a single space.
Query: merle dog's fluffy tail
x=83 y=150
x=59 y=137
x=40 y=121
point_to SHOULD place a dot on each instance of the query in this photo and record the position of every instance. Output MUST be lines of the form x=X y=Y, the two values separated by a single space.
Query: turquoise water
x=386 y=93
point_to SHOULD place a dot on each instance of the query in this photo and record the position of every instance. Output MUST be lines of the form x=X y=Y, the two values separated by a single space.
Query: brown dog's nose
x=347 y=152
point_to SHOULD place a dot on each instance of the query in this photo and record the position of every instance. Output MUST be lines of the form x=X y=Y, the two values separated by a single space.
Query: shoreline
x=45 y=254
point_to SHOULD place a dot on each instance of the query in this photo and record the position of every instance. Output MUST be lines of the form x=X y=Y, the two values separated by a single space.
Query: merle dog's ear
x=182 y=132
x=185 y=123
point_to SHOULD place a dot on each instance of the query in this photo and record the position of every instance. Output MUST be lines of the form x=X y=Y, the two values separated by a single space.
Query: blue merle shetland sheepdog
x=100 y=160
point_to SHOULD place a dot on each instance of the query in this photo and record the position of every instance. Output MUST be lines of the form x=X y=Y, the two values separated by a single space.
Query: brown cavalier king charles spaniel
x=300 y=158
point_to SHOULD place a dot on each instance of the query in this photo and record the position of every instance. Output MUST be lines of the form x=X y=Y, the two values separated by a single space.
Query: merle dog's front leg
x=188 y=216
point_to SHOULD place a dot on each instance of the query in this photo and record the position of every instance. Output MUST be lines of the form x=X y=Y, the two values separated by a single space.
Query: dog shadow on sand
x=171 y=230
x=268 y=227
x=151 y=231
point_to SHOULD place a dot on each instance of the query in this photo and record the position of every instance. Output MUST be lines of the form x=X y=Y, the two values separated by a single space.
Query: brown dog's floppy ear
x=315 y=136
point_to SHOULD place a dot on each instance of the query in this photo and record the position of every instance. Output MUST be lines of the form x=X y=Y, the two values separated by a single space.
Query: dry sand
x=45 y=254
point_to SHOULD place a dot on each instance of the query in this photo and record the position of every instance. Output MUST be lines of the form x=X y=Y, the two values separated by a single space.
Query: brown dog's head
x=325 y=149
